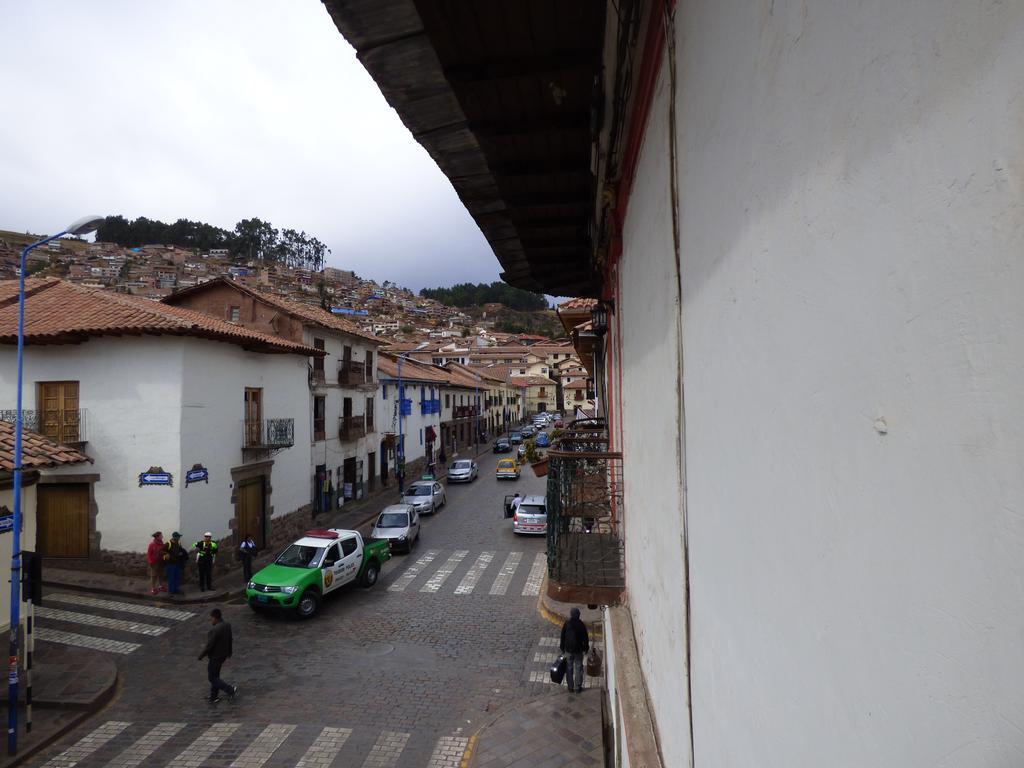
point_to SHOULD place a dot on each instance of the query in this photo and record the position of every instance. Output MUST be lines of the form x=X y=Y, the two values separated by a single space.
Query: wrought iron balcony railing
x=586 y=560
x=268 y=434
x=68 y=427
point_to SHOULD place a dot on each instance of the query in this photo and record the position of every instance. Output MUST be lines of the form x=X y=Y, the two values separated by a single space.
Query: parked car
x=425 y=496
x=313 y=566
x=531 y=516
x=462 y=471
x=507 y=469
x=528 y=431
x=399 y=526
x=502 y=445
x=521 y=451
x=515 y=438
x=542 y=441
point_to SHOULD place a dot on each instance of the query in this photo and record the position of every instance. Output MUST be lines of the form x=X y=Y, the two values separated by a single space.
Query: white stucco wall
x=170 y=402
x=851 y=236
x=131 y=388
x=654 y=528
x=212 y=418
x=28 y=542
x=413 y=426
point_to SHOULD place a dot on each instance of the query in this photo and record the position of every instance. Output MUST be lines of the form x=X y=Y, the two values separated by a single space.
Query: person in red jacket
x=155 y=556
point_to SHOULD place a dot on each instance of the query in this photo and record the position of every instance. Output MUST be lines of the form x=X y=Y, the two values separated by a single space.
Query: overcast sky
x=218 y=111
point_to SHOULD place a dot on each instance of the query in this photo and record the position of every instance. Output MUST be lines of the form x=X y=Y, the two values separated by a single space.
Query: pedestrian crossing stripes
x=326 y=747
x=139 y=751
x=442 y=573
x=468 y=583
x=549 y=642
x=387 y=749
x=413 y=571
x=119 y=606
x=274 y=744
x=257 y=753
x=99 y=621
x=196 y=755
x=77 y=752
x=500 y=585
x=85 y=641
x=448 y=752
x=533 y=581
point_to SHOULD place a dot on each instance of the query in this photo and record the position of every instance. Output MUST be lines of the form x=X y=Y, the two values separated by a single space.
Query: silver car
x=425 y=496
x=399 y=524
x=531 y=516
x=462 y=471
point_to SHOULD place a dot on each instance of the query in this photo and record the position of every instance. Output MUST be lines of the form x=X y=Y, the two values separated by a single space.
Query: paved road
x=400 y=675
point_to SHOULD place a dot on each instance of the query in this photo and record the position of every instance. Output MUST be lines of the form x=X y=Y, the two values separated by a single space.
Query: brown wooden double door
x=62 y=520
x=250 y=515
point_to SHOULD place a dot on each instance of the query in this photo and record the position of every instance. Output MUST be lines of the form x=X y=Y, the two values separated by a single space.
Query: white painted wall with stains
x=852 y=239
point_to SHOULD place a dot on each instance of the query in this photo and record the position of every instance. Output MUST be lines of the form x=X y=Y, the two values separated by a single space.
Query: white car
x=531 y=516
x=462 y=471
x=425 y=496
x=399 y=525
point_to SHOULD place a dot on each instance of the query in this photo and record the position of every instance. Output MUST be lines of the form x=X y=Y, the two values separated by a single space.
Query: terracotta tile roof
x=311 y=313
x=531 y=381
x=414 y=370
x=575 y=385
x=577 y=305
x=37 y=452
x=59 y=312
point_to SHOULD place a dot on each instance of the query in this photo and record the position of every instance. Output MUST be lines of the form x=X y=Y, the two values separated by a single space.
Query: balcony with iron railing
x=586 y=547
x=464 y=411
x=354 y=373
x=267 y=434
x=67 y=427
x=351 y=428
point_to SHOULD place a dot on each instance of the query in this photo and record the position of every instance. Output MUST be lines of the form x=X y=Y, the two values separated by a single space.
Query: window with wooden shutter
x=369 y=414
x=319 y=418
x=58 y=416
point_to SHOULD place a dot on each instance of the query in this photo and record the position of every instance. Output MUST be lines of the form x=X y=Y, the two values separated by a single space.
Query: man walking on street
x=246 y=552
x=175 y=557
x=574 y=644
x=218 y=650
x=155 y=560
x=206 y=553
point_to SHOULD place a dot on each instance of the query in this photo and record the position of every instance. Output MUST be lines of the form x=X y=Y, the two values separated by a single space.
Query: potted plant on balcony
x=538 y=463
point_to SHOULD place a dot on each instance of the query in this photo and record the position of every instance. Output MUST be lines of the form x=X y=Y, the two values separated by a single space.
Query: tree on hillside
x=475 y=295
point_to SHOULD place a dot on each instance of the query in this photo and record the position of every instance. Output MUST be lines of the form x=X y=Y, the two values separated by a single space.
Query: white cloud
x=219 y=111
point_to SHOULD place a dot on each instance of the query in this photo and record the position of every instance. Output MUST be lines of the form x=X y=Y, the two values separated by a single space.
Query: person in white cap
x=206 y=553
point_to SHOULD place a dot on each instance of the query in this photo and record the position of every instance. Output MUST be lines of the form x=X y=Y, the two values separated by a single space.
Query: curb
x=97 y=704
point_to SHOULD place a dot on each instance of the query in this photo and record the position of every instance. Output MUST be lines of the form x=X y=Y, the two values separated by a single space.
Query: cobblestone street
x=399 y=675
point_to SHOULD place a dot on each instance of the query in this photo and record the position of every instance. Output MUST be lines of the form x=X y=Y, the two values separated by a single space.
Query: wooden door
x=249 y=516
x=62 y=515
x=58 y=410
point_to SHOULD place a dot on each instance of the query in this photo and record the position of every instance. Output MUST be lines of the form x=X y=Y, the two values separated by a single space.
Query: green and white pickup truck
x=323 y=560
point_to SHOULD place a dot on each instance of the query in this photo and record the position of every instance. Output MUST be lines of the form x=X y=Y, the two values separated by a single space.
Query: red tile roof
x=37 y=452
x=577 y=305
x=310 y=313
x=59 y=312
x=531 y=381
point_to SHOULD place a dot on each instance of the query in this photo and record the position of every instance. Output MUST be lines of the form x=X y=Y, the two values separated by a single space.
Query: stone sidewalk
x=68 y=686
x=557 y=730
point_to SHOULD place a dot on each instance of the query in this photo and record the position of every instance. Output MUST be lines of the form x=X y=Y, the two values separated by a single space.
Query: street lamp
x=82 y=226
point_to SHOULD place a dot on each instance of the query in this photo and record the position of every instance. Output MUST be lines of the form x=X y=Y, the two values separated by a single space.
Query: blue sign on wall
x=155 y=476
x=198 y=474
x=6 y=520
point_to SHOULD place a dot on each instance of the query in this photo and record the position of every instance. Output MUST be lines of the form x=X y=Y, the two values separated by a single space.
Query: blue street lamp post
x=83 y=226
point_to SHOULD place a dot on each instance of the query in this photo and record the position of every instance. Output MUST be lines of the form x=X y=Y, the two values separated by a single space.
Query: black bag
x=594 y=662
x=558 y=670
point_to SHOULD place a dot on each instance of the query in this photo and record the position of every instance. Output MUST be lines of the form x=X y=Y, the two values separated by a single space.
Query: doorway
x=371 y=480
x=250 y=517
x=62 y=513
x=349 y=478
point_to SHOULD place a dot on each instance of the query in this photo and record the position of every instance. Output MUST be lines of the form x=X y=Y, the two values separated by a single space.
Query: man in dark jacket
x=574 y=644
x=218 y=650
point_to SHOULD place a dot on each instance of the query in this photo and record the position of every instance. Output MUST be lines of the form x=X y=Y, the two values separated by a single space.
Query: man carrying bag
x=575 y=642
